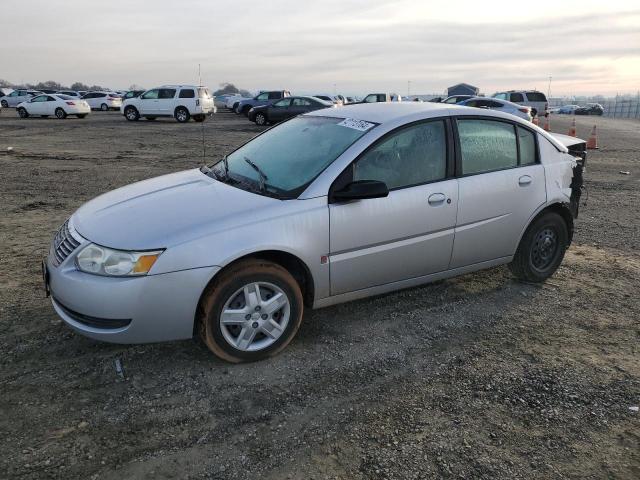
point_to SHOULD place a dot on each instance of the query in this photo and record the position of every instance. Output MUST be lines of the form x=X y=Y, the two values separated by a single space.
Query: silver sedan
x=331 y=206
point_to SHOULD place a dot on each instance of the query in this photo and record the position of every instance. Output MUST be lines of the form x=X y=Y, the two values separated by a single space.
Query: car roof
x=497 y=100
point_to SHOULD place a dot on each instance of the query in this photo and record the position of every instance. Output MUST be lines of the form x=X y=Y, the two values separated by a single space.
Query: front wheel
x=22 y=112
x=131 y=114
x=541 y=249
x=251 y=312
x=4 y=104
x=60 y=113
x=182 y=115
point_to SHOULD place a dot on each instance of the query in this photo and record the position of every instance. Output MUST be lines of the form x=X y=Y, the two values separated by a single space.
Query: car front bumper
x=151 y=308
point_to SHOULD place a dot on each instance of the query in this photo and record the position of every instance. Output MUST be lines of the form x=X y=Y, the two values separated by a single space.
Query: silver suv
x=529 y=98
x=330 y=206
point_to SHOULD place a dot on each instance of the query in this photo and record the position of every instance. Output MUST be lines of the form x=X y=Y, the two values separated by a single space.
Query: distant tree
x=79 y=86
x=245 y=93
x=135 y=86
x=226 y=88
x=49 y=85
x=4 y=83
x=96 y=88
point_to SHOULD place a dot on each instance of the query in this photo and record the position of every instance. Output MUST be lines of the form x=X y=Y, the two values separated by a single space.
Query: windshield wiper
x=263 y=176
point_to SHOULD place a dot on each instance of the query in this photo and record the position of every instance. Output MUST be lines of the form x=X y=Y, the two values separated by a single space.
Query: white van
x=179 y=101
x=529 y=98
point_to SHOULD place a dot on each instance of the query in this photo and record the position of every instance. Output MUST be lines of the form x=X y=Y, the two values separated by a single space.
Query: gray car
x=330 y=206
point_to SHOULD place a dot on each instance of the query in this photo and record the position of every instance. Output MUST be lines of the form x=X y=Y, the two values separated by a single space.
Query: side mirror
x=361 y=190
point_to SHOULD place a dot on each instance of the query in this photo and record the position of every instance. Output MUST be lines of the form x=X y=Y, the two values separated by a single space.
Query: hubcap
x=255 y=316
x=182 y=116
x=261 y=119
x=544 y=248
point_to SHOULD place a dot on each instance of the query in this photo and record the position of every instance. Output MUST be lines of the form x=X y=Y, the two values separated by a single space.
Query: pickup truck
x=382 y=97
x=263 y=98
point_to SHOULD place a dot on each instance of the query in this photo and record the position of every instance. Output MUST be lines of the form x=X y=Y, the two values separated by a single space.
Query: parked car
x=48 y=91
x=530 y=98
x=501 y=105
x=286 y=108
x=382 y=97
x=182 y=102
x=233 y=102
x=69 y=93
x=263 y=98
x=590 y=109
x=455 y=99
x=18 y=96
x=329 y=98
x=220 y=101
x=565 y=109
x=132 y=94
x=104 y=101
x=59 y=105
x=383 y=201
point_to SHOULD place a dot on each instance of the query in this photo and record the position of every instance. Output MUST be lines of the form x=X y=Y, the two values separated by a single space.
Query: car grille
x=63 y=244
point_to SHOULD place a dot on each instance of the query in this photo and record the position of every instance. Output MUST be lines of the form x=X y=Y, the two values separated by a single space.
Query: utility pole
x=408 y=88
x=549 y=88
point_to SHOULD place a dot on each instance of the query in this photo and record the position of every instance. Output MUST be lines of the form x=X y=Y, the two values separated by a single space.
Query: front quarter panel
x=298 y=227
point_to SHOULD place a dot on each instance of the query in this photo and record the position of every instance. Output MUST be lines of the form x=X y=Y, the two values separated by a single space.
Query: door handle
x=525 y=180
x=437 y=198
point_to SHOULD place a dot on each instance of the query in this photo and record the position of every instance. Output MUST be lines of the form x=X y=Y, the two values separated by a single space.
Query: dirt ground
x=475 y=377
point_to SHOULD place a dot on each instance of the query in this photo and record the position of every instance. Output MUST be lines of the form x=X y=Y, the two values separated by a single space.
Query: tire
x=534 y=112
x=131 y=114
x=245 y=110
x=82 y=115
x=228 y=292
x=22 y=112
x=199 y=118
x=235 y=107
x=60 y=113
x=4 y=104
x=261 y=119
x=541 y=248
x=104 y=107
x=182 y=115
x=151 y=119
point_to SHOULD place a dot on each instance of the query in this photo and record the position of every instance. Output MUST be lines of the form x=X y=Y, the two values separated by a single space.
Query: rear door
x=166 y=103
x=501 y=184
x=407 y=234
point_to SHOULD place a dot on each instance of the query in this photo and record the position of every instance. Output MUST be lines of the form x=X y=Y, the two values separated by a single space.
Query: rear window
x=187 y=93
x=536 y=97
x=166 y=93
x=517 y=97
x=65 y=97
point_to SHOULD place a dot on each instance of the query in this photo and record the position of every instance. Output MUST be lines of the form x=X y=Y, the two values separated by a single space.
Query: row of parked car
x=588 y=109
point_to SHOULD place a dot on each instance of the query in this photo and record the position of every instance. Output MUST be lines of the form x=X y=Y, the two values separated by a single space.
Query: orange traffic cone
x=592 y=143
x=572 y=129
x=535 y=120
x=547 y=124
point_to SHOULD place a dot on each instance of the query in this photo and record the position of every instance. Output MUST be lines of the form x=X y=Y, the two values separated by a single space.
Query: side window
x=500 y=96
x=40 y=98
x=51 y=99
x=187 y=93
x=487 y=145
x=150 y=95
x=536 y=97
x=411 y=156
x=166 y=93
x=527 y=141
x=493 y=104
x=263 y=96
x=470 y=103
x=275 y=95
x=517 y=97
x=301 y=102
x=282 y=103
x=371 y=99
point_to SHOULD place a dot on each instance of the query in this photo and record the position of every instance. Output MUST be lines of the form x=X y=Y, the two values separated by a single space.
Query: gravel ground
x=474 y=377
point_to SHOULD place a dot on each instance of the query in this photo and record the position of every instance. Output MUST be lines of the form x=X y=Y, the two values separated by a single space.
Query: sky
x=326 y=46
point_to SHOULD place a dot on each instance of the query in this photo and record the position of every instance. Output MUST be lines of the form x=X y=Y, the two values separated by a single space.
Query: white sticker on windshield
x=356 y=124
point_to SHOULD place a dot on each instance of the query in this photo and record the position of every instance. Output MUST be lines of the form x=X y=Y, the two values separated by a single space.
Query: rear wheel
x=261 y=119
x=60 y=113
x=22 y=112
x=81 y=115
x=104 y=107
x=182 y=115
x=4 y=104
x=131 y=114
x=541 y=249
x=251 y=312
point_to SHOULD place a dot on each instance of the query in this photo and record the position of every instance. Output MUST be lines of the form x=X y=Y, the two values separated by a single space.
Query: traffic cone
x=572 y=129
x=547 y=124
x=592 y=143
x=535 y=120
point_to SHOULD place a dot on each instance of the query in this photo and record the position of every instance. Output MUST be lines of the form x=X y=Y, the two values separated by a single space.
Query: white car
x=500 y=105
x=17 y=96
x=104 y=101
x=179 y=101
x=55 y=104
x=529 y=98
x=220 y=101
x=69 y=93
x=233 y=102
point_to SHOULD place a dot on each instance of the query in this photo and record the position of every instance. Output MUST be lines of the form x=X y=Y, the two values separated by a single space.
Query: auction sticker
x=356 y=124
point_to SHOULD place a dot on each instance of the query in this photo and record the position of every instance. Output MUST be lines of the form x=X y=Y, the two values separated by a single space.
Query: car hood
x=166 y=211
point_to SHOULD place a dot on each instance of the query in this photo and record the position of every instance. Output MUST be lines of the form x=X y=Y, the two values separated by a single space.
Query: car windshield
x=285 y=159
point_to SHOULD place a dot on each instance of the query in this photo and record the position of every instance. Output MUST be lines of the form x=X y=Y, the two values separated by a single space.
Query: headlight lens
x=120 y=263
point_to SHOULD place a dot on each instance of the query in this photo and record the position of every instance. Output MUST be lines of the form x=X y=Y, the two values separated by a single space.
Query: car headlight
x=119 y=263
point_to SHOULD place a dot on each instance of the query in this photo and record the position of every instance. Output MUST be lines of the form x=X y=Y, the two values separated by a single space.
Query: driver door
x=410 y=232
x=36 y=105
x=149 y=103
